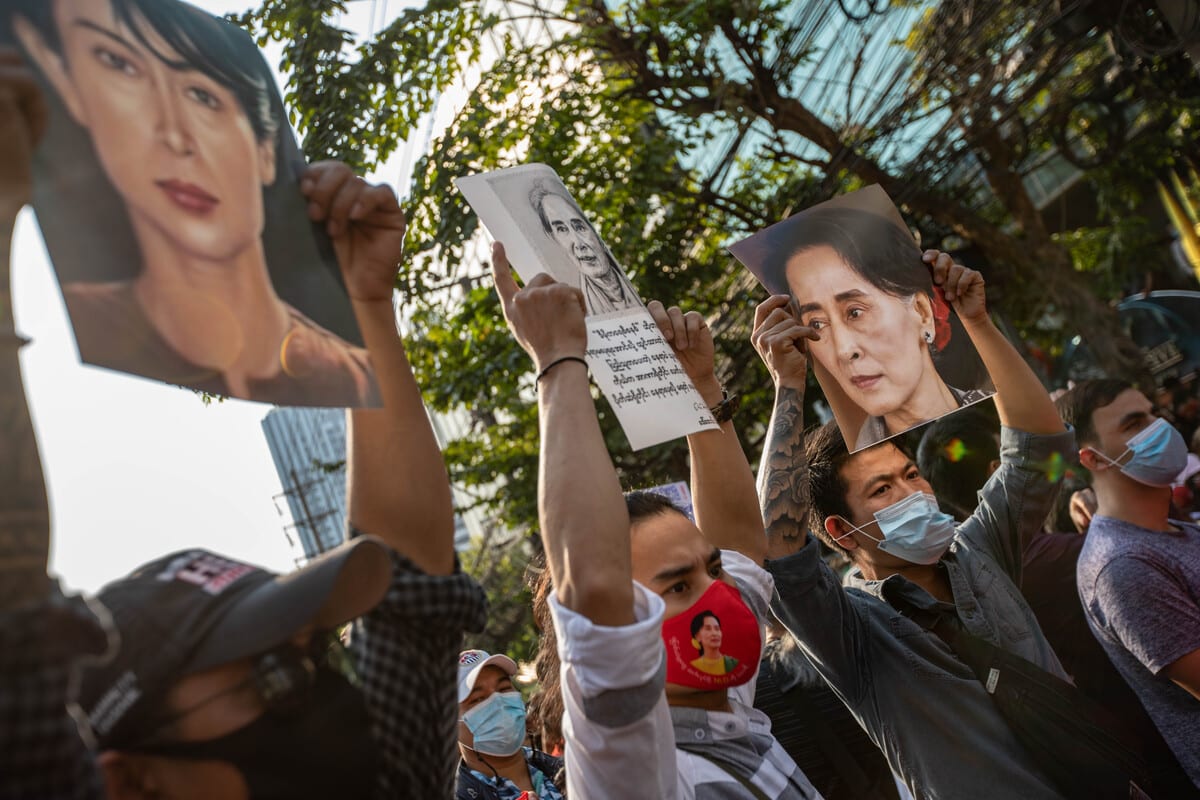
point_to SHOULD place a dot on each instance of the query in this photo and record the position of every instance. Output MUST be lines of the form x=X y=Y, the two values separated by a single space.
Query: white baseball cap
x=472 y=662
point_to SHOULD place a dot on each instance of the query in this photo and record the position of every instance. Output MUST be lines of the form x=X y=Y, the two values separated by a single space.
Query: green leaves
x=683 y=125
x=357 y=102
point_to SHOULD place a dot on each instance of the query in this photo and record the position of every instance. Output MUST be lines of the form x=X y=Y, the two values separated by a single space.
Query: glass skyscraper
x=308 y=446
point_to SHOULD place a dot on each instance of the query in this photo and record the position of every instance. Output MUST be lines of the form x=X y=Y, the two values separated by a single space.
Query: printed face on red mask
x=715 y=644
x=712 y=638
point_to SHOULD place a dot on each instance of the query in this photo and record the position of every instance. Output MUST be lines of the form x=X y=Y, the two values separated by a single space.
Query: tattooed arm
x=779 y=339
x=783 y=476
x=24 y=518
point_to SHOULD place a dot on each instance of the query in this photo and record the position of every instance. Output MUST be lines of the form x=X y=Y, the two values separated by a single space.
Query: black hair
x=93 y=241
x=1060 y=520
x=876 y=248
x=955 y=456
x=698 y=623
x=205 y=43
x=825 y=454
x=1079 y=404
x=545 y=707
x=642 y=504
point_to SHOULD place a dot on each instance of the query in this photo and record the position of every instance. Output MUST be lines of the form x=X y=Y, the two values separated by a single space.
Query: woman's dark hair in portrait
x=698 y=623
x=885 y=255
x=228 y=55
x=204 y=43
x=877 y=249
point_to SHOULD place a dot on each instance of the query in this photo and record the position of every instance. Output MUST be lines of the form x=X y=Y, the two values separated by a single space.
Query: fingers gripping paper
x=167 y=188
x=544 y=230
x=891 y=356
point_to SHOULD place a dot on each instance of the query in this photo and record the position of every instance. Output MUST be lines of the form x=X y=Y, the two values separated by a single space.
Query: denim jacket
x=926 y=710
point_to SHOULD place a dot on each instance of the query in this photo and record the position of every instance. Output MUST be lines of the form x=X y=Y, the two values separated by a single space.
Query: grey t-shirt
x=1141 y=591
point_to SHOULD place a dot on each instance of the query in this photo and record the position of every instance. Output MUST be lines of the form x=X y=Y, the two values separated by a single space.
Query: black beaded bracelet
x=554 y=364
x=723 y=411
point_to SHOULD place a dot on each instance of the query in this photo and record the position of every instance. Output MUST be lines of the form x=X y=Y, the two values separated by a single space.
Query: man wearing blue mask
x=930 y=714
x=1139 y=571
x=491 y=735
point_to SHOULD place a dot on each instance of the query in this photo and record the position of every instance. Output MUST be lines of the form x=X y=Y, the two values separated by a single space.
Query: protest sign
x=544 y=231
x=891 y=355
x=680 y=494
x=167 y=191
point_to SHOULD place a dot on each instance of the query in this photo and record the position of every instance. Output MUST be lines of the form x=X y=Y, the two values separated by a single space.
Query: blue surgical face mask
x=1159 y=455
x=498 y=724
x=914 y=529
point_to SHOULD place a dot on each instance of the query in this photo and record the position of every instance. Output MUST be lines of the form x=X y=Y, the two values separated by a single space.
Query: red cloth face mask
x=715 y=644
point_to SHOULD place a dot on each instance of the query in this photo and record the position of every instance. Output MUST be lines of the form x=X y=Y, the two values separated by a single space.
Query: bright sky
x=136 y=469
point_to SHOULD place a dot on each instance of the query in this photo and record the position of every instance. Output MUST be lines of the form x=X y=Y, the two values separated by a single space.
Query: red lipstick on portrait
x=188 y=196
x=866 y=382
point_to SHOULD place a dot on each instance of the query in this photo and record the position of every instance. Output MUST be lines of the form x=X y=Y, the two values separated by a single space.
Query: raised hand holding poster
x=892 y=355
x=168 y=192
x=543 y=230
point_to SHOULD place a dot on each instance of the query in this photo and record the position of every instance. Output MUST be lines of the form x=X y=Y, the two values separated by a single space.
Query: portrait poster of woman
x=533 y=213
x=892 y=354
x=168 y=192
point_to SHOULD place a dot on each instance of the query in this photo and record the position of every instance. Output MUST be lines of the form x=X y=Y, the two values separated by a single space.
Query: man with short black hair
x=632 y=576
x=1139 y=571
x=936 y=722
x=958 y=454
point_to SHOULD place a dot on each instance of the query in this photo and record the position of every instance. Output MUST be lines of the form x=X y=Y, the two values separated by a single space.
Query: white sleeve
x=756 y=585
x=619 y=738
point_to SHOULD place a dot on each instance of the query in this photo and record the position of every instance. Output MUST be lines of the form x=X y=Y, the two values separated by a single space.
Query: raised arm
x=42 y=634
x=782 y=486
x=809 y=599
x=585 y=527
x=722 y=484
x=1015 y=501
x=24 y=516
x=1021 y=400
x=398 y=489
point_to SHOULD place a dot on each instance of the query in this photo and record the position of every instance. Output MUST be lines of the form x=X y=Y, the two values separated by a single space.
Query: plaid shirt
x=406 y=653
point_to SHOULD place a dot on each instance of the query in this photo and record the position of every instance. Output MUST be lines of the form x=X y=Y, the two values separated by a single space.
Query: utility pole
x=307 y=520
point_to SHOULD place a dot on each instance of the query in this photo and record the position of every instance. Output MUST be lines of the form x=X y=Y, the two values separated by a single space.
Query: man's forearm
x=723 y=487
x=585 y=527
x=24 y=514
x=783 y=478
x=1021 y=400
x=397 y=483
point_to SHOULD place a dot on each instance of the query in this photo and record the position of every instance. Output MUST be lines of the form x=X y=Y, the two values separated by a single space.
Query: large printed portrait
x=167 y=190
x=892 y=354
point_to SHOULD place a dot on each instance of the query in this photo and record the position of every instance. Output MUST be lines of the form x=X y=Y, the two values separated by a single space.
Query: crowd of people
x=937 y=615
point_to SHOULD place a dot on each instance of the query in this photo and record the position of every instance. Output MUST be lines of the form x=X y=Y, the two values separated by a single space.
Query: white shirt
x=620 y=740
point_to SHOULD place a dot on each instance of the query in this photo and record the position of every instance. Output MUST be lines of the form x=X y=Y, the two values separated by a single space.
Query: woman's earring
x=928 y=337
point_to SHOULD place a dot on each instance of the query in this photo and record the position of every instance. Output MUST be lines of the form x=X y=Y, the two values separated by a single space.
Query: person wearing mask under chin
x=1139 y=570
x=491 y=733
